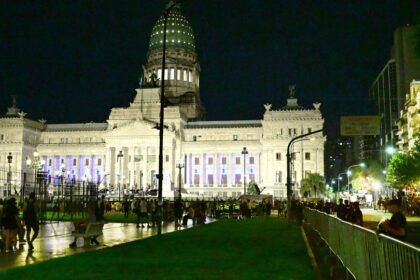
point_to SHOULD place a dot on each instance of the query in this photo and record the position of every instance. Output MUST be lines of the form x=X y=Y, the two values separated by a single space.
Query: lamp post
x=244 y=152
x=162 y=111
x=119 y=159
x=349 y=174
x=289 y=159
x=179 y=165
x=9 y=174
x=63 y=174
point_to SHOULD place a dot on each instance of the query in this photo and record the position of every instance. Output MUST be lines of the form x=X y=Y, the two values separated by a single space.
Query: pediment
x=134 y=128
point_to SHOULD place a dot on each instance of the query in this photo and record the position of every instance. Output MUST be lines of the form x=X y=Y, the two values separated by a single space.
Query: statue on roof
x=292 y=91
x=14 y=102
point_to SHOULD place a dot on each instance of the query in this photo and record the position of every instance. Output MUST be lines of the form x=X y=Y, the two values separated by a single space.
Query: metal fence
x=364 y=253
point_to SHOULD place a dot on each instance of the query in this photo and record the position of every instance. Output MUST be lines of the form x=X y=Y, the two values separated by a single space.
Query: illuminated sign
x=360 y=125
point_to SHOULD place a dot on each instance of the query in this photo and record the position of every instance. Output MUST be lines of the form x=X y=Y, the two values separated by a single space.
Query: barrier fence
x=364 y=253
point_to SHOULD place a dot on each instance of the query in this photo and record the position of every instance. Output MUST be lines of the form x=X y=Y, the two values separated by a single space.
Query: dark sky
x=72 y=61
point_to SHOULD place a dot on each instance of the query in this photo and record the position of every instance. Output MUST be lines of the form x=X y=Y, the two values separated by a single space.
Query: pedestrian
x=396 y=227
x=11 y=223
x=142 y=217
x=341 y=210
x=356 y=214
x=178 y=212
x=30 y=216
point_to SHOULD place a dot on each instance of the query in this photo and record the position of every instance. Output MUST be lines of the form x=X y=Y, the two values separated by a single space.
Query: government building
x=209 y=158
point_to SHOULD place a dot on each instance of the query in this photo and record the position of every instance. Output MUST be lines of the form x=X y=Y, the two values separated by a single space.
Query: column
x=216 y=170
x=229 y=169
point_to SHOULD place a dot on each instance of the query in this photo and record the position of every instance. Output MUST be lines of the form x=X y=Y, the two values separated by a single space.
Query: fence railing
x=364 y=253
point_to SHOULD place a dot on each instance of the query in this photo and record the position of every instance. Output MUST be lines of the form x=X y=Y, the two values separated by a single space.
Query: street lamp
x=179 y=165
x=119 y=159
x=362 y=165
x=162 y=111
x=244 y=152
x=289 y=160
x=63 y=174
x=9 y=174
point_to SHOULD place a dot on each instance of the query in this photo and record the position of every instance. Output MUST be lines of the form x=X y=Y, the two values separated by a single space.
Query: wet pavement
x=54 y=239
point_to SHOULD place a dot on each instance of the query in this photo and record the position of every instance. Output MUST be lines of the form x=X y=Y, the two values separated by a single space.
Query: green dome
x=179 y=33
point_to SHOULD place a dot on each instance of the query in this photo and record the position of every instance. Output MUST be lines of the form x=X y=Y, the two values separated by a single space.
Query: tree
x=312 y=185
x=403 y=169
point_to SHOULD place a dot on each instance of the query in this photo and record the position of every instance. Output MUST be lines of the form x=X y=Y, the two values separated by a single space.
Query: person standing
x=396 y=227
x=30 y=216
x=11 y=224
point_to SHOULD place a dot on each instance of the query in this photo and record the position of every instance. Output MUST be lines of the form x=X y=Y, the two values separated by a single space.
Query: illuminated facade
x=409 y=122
x=124 y=149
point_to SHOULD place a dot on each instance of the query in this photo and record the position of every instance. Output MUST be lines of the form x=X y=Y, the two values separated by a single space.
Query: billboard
x=360 y=125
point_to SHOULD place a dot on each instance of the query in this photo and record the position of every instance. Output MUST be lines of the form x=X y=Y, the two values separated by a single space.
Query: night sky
x=72 y=61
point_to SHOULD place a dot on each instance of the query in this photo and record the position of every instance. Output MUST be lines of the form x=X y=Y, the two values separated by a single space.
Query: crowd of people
x=13 y=227
x=350 y=212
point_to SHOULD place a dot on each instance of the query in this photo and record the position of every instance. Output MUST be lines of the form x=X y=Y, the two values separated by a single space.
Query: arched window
x=190 y=76
x=185 y=76
x=172 y=74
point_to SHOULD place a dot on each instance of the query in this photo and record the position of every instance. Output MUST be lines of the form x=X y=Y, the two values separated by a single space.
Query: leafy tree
x=403 y=169
x=253 y=188
x=312 y=185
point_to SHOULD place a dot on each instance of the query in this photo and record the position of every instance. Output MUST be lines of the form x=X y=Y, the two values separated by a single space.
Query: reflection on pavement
x=54 y=239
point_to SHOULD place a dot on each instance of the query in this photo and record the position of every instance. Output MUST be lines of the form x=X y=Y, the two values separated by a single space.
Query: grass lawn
x=260 y=248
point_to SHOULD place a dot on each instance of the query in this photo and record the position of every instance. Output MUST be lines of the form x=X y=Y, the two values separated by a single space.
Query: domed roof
x=179 y=33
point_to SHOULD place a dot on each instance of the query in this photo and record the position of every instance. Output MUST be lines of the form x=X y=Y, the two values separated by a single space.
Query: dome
x=179 y=33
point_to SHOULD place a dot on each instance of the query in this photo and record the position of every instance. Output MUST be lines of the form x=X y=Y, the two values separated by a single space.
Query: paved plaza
x=54 y=239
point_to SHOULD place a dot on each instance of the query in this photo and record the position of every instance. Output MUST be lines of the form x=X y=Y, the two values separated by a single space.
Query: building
x=122 y=153
x=388 y=90
x=409 y=122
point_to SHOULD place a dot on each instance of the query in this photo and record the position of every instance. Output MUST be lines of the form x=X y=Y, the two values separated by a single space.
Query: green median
x=260 y=248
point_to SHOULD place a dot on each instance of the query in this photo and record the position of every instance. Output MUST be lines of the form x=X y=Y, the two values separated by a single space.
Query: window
x=196 y=161
x=178 y=74
x=185 y=76
x=238 y=160
x=309 y=130
x=194 y=138
x=1 y=137
x=294 y=131
x=172 y=74
x=210 y=179
x=190 y=77
x=237 y=179
x=224 y=160
x=210 y=161
x=196 y=179
x=251 y=160
x=307 y=156
x=290 y=132
x=278 y=177
x=281 y=131
x=167 y=158
x=166 y=74
x=235 y=137
x=62 y=161
x=278 y=156
x=293 y=156
x=50 y=162
x=224 y=179
x=87 y=161
x=74 y=162
x=159 y=74
x=99 y=161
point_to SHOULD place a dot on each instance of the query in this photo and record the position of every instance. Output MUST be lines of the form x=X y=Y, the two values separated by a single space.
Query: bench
x=92 y=230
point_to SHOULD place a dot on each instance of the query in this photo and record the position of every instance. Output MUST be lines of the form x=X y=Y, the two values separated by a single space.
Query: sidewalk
x=54 y=239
